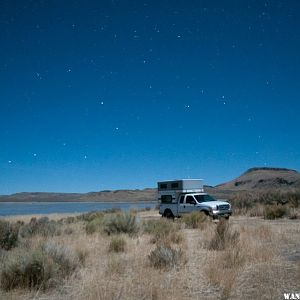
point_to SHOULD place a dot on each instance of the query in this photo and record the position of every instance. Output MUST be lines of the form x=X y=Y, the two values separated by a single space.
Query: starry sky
x=118 y=94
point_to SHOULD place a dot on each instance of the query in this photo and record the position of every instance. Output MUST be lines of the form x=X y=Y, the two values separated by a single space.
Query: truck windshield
x=204 y=198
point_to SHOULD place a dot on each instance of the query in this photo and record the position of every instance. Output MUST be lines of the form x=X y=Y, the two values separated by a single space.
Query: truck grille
x=224 y=207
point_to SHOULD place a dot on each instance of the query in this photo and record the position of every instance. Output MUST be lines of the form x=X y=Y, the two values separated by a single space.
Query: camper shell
x=177 y=197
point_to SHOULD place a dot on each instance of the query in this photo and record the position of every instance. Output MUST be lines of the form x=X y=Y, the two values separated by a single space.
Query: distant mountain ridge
x=264 y=178
x=258 y=179
x=101 y=196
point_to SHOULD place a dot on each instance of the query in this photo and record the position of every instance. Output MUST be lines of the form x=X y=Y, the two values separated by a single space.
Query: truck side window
x=190 y=200
x=200 y=198
x=181 y=199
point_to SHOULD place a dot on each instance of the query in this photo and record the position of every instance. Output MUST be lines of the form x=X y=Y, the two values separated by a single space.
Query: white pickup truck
x=177 y=197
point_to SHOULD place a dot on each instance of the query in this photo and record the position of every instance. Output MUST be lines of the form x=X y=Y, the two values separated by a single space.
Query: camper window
x=166 y=199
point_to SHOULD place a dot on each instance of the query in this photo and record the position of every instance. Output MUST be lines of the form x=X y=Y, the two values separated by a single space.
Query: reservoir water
x=32 y=208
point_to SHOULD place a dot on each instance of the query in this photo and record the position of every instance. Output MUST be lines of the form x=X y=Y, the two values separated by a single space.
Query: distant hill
x=253 y=180
x=264 y=178
x=259 y=180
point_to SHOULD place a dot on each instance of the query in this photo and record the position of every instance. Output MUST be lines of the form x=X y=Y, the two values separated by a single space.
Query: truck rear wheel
x=168 y=214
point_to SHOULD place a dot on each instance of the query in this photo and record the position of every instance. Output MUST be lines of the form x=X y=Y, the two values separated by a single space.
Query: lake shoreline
x=113 y=202
x=46 y=208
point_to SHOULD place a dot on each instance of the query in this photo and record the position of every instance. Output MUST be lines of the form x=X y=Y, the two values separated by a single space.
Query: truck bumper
x=216 y=214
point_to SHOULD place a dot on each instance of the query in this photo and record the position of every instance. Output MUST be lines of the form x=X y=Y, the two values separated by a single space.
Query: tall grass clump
x=225 y=266
x=223 y=236
x=117 y=244
x=272 y=212
x=195 y=219
x=165 y=257
x=8 y=235
x=120 y=223
x=39 y=268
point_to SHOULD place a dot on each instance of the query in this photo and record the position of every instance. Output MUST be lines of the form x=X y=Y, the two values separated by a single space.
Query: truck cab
x=178 y=197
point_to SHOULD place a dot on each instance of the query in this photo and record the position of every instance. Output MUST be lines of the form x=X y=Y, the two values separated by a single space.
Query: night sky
x=115 y=94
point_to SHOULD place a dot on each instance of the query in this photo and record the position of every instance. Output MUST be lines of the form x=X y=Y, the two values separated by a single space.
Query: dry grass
x=117 y=244
x=244 y=267
x=195 y=220
x=163 y=231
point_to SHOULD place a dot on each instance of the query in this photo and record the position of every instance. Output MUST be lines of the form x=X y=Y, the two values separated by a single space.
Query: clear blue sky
x=119 y=94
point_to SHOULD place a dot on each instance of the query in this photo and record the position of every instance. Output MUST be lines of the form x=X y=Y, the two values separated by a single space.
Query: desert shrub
x=39 y=268
x=160 y=229
x=223 y=236
x=164 y=256
x=42 y=226
x=8 y=235
x=26 y=269
x=293 y=214
x=64 y=257
x=163 y=231
x=294 y=199
x=70 y=220
x=113 y=210
x=272 y=212
x=242 y=202
x=117 y=244
x=3 y=255
x=68 y=230
x=90 y=216
x=195 y=219
x=120 y=223
x=94 y=225
x=257 y=210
